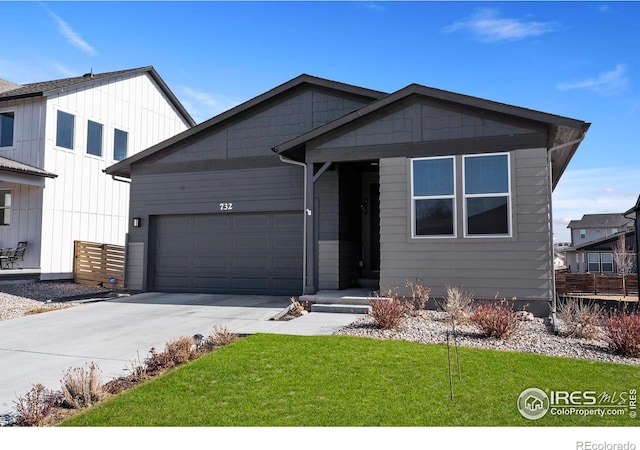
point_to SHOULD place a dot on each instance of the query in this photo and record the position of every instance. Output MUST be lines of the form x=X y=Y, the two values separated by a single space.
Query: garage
x=239 y=253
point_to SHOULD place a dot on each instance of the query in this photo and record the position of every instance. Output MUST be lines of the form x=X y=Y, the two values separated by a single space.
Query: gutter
x=307 y=212
x=554 y=300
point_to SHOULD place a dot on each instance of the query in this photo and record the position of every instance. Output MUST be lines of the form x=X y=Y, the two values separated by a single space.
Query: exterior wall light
x=137 y=221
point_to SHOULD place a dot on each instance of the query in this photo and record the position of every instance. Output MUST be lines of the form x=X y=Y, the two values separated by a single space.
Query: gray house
x=318 y=185
x=593 y=227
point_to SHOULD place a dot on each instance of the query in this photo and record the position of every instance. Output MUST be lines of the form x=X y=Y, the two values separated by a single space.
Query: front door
x=370 y=225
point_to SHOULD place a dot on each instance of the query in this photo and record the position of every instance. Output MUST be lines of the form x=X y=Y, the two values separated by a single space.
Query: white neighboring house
x=56 y=139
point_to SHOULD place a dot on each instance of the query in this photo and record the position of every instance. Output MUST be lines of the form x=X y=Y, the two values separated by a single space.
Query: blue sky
x=575 y=59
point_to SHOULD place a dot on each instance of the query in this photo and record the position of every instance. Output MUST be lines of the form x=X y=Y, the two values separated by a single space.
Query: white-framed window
x=433 y=197
x=606 y=262
x=120 y=144
x=487 y=195
x=65 y=127
x=5 y=207
x=614 y=230
x=593 y=262
x=94 y=138
x=7 y=119
x=583 y=233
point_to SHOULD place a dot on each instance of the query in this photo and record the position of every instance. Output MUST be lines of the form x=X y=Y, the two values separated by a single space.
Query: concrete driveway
x=116 y=333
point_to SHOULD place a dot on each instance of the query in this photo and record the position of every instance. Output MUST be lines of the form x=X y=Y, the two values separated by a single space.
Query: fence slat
x=587 y=283
x=95 y=264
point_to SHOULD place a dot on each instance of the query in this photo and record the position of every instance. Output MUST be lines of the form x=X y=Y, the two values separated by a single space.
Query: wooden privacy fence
x=99 y=264
x=590 y=283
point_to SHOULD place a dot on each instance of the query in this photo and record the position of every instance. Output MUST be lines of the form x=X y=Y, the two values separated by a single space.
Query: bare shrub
x=296 y=307
x=495 y=319
x=82 y=387
x=457 y=304
x=35 y=406
x=387 y=309
x=419 y=296
x=180 y=350
x=623 y=333
x=580 y=319
x=221 y=336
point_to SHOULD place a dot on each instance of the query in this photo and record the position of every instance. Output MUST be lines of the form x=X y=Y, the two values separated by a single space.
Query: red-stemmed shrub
x=387 y=310
x=495 y=319
x=623 y=333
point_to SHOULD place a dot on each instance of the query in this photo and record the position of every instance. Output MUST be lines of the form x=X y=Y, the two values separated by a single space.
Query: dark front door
x=371 y=225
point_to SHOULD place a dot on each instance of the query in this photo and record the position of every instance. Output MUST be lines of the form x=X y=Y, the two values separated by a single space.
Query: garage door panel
x=213 y=262
x=240 y=253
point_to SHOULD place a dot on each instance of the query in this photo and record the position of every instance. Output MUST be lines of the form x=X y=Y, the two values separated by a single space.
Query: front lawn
x=277 y=380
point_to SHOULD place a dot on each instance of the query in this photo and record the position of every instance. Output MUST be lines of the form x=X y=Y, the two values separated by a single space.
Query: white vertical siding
x=83 y=203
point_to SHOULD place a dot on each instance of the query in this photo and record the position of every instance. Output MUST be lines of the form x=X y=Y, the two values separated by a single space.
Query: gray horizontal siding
x=518 y=266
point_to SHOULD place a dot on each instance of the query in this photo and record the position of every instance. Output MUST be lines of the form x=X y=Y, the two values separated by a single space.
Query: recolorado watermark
x=534 y=403
x=589 y=445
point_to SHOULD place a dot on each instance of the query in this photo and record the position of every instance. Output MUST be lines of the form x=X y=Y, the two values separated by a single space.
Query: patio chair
x=19 y=254
x=7 y=258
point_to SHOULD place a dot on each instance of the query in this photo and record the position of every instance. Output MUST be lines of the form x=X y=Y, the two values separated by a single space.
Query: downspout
x=307 y=212
x=554 y=300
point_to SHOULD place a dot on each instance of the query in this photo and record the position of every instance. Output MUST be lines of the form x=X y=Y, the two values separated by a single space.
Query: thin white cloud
x=70 y=35
x=611 y=82
x=203 y=105
x=593 y=191
x=486 y=25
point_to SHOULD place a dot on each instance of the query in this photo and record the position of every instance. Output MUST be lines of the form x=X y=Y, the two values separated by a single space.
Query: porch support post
x=310 y=247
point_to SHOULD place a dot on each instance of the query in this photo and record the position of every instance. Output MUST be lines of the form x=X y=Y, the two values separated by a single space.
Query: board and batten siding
x=28 y=145
x=83 y=203
x=519 y=266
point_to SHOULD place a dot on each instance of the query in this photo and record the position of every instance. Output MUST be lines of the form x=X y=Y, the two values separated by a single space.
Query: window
x=593 y=261
x=583 y=233
x=487 y=195
x=614 y=230
x=94 y=138
x=119 y=144
x=64 y=130
x=433 y=197
x=6 y=129
x=607 y=262
x=5 y=207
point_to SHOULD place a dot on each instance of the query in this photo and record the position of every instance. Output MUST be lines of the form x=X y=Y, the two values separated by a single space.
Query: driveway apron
x=116 y=334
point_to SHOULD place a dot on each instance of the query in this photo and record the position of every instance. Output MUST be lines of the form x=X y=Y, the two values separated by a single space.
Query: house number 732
x=226 y=206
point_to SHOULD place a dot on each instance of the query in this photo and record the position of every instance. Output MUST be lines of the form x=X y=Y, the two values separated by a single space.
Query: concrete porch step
x=340 y=308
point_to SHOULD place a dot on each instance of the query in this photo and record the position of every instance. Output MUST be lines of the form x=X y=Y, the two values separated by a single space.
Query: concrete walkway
x=116 y=333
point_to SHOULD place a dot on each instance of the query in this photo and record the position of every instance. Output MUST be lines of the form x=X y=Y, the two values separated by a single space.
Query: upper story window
x=94 y=138
x=583 y=233
x=487 y=195
x=433 y=197
x=65 y=129
x=120 y=139
x=6 y=128
x=5 y=207
x=614 y=230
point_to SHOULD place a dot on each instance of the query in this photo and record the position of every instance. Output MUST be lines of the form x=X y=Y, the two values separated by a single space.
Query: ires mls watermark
x=534 y=403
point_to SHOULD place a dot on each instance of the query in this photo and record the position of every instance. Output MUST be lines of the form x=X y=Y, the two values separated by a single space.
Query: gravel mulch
x=535 y=336
x=20 y=299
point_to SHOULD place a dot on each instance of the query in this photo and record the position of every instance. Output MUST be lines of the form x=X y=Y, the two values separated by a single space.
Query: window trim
x=13 y=132
x=113 y=142
x=73 y=131
x=86 y=150
x=10 y=207
x=602 y=263
x=597 y=255
x=508 y=195
x=453 y=197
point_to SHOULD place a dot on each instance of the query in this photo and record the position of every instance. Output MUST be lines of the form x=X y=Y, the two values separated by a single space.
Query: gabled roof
x=563 y=132
x=612 y=220
x=6 y=85
x=9 y=165
x=633 y=212
x=123 y=168
x=45 y=88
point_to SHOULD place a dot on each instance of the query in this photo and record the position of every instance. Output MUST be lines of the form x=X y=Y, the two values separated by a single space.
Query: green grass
x=276 y=380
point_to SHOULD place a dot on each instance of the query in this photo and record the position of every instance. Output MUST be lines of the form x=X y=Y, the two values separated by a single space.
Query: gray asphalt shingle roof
x=10 y=165
x=612 y=220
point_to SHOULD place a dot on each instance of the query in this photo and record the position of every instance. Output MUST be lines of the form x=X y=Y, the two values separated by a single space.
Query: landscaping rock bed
x=534 y=336
x=20 y=299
